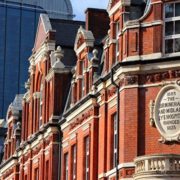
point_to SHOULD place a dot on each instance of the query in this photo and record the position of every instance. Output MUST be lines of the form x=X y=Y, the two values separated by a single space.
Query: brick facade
x=107 y=129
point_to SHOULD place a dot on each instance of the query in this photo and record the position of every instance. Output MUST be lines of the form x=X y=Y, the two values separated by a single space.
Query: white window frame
x=171 y=19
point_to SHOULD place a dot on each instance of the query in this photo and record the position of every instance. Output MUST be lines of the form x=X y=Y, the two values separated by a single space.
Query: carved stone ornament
x=151 y=107
x=167 y=113
x=56 y=58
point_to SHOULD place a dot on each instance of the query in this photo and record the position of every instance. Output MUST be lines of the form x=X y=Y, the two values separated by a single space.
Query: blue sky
x=79 y=6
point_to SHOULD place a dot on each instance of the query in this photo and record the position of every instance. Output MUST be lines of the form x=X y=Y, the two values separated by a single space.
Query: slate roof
x=66 y=31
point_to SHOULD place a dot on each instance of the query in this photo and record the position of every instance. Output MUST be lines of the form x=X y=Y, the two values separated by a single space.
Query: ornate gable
x=83 y=39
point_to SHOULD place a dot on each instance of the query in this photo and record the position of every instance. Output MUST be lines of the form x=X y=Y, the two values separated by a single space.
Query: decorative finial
x=18 y=126
x=59 y=54
x=95 y=53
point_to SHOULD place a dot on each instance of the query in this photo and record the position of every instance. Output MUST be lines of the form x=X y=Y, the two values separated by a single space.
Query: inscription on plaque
x=167 y=112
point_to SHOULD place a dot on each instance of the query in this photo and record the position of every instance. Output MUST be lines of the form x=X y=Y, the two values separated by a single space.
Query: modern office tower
x=18 y=24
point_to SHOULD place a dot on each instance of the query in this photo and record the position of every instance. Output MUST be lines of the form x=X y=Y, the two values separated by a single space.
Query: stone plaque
x=167 y=113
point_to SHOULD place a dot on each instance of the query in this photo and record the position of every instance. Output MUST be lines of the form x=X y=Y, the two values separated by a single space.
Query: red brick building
x=118 y=109
x=32 y=146
x=116 y=113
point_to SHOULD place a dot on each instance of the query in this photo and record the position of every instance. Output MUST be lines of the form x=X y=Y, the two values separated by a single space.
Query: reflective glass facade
x=17 y=33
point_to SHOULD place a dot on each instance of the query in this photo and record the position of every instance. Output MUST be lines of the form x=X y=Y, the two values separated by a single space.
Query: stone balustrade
x=164 y=166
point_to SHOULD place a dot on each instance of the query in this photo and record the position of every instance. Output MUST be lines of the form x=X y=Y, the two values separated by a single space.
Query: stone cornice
x=8 y=164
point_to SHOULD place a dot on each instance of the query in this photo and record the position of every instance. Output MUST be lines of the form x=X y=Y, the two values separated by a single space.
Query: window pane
x=169 y=46
x=169 y=28
x=177 y=10
x=169 y=10
x=177 y=27
x=177 y=45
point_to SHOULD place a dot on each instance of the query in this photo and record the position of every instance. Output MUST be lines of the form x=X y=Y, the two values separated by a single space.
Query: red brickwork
x=85 y=135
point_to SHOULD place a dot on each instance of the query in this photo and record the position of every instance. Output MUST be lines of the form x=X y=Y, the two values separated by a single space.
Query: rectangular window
x=82 y=64
x=172 y=27
x=36 y=174
x=117 y=39
x=74 y=162
x=86 y=158
x=47 y=170
x=114 y=139
x=66 y=169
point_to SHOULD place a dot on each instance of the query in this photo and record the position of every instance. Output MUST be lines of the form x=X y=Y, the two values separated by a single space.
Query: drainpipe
x=118 y=109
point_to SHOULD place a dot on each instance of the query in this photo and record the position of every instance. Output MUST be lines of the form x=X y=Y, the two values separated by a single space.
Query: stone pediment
x=83 y=37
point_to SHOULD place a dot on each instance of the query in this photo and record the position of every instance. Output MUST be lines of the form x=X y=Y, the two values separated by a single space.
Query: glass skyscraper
x=18 y=24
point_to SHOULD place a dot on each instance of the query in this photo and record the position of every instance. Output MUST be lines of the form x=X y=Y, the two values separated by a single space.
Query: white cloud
x=79 y=6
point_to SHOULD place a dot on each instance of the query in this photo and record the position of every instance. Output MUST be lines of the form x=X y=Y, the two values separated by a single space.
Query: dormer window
x=172 y=27
x=117 y=40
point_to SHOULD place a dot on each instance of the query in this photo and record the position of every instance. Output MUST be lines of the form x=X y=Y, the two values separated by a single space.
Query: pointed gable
x=84 y=38
x=44 y=26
